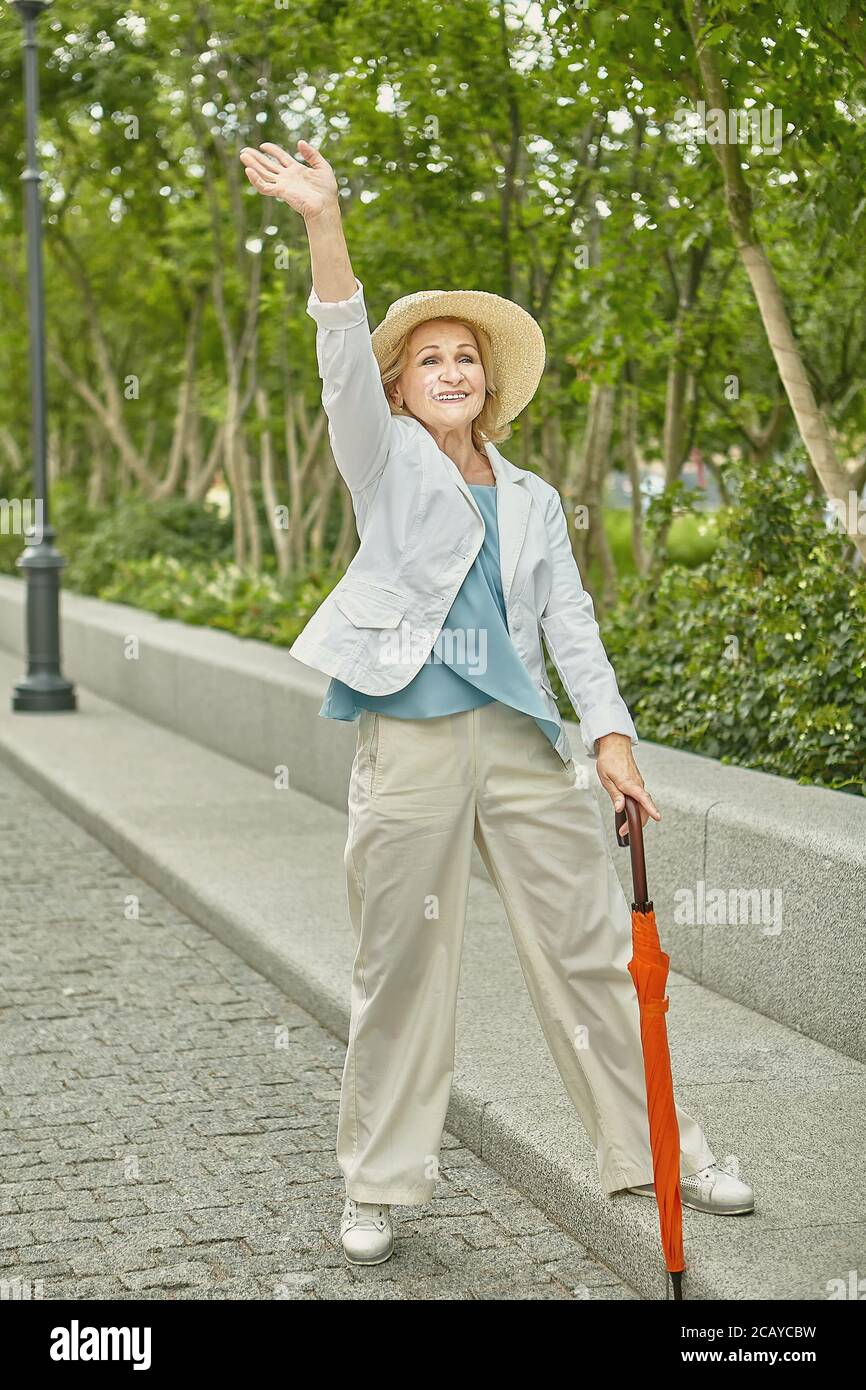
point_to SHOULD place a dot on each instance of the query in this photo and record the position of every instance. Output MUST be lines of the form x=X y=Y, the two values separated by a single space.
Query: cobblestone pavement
x=169 y=1117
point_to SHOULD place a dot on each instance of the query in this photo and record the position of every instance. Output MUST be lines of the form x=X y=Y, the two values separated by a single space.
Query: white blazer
x=420 y=530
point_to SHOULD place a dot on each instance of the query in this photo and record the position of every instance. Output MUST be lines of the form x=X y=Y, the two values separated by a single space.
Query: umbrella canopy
x=649 y=967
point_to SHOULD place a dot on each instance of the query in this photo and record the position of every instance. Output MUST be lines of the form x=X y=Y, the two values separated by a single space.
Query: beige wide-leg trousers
x=421 y=791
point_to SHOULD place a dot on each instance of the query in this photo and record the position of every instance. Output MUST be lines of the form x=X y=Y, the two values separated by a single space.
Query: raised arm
x=359 y=419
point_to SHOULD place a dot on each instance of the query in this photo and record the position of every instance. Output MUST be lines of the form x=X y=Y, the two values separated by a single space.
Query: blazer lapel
x=512 y=513
x=512 y=507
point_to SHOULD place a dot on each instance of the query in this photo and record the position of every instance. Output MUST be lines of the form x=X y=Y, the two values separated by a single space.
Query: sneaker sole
x=719 y=1211
x=705 y=1206
x=380 y=1259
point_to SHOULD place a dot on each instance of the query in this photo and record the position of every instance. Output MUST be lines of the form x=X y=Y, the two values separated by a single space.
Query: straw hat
x=516 y=340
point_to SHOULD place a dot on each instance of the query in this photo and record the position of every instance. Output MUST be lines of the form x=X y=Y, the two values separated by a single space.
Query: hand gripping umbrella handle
x=634 y=840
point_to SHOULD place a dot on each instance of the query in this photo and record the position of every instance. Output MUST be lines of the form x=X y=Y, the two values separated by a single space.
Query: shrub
x=218 y=594
x=757 y=657
x=138 y=529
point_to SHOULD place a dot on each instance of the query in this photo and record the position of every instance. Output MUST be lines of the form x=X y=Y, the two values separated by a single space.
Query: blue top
x=473 y=660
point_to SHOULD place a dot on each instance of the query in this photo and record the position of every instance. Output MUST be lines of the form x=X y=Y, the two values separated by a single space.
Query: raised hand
x=309 y=188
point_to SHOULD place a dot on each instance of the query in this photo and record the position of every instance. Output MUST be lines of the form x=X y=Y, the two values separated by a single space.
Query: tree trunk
x=318 y=524
x=279 y=534
x=248 y=501
x=631 y=456
x=297 y=538
x=811 y=421
x=177 y=450
x=97 y=476
x=12 y=451
x=110 y=409
x=200 y=473
x=588 y=486
x=680 y=384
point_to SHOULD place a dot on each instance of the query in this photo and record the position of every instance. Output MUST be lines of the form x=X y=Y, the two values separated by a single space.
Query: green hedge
x=219 y=594
x=96 y=544
x=758 y=657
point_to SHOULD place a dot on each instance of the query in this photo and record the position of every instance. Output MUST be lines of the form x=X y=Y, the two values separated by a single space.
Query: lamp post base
x=44 y=689
x=43 y=694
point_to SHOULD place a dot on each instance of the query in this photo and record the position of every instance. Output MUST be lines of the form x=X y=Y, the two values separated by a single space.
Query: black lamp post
x=44 y=687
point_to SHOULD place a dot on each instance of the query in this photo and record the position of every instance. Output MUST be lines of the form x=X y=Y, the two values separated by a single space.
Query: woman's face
x=443 y=382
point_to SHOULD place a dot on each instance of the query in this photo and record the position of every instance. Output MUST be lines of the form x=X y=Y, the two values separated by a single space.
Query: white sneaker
x=366 y=1232
x=713 y=1189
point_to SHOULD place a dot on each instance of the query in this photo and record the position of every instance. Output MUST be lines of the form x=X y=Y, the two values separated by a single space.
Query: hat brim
x=516 y=340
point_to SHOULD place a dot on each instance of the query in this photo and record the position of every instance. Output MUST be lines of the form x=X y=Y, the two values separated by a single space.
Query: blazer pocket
x=370 y=606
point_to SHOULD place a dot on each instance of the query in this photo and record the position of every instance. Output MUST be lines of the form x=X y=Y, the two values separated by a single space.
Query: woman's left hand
x=619 y=775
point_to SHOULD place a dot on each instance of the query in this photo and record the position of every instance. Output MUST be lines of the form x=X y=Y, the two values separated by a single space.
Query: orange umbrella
x=648 y=968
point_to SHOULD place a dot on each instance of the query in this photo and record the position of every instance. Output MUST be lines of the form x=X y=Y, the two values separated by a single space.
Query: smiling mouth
x=452 y=397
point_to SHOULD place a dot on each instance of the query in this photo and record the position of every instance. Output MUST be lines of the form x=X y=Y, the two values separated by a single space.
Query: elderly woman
x=432 y=640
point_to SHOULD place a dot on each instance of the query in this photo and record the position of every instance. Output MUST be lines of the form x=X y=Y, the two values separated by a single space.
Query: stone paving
x=168 y=1117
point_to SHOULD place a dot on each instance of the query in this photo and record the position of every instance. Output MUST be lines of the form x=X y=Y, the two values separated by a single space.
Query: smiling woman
x=460 y=741
x=444 y=384
x=456 y=370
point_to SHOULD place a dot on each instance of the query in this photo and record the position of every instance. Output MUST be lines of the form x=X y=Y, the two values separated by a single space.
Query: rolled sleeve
x=338 y=313
x=359 y=417
x=607 y=719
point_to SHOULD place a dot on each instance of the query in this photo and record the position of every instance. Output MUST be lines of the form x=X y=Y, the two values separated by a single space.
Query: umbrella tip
x=677 y=1281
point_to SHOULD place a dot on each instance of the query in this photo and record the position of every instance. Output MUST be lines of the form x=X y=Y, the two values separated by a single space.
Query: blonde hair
x=483 y=426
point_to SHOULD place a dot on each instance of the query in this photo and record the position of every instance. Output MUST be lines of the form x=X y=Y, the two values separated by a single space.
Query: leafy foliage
x=138 y=530
x=757 y=657
x=220 y=595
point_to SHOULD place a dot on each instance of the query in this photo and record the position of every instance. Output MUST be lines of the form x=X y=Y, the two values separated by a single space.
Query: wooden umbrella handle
x=634 y=840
